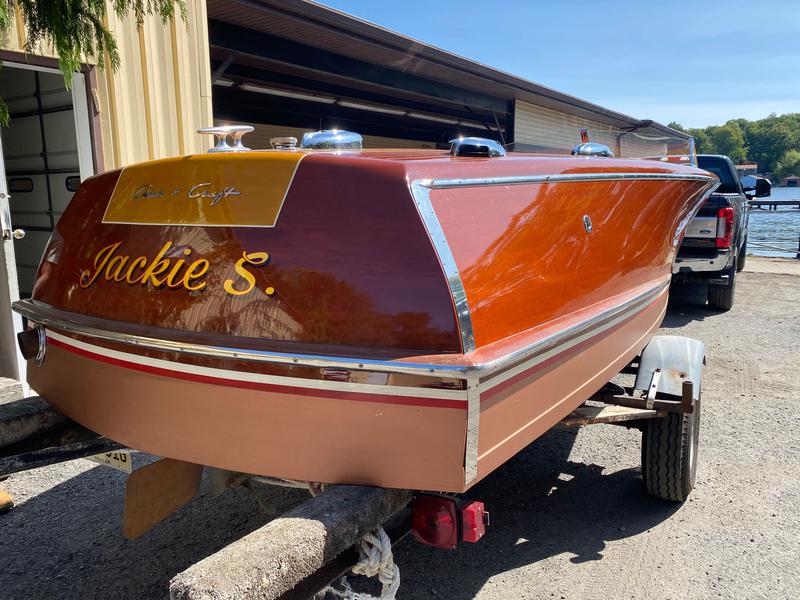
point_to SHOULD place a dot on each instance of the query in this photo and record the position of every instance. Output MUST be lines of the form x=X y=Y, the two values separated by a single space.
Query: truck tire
x=669 y=454
x=742 y=257
x=720 y=297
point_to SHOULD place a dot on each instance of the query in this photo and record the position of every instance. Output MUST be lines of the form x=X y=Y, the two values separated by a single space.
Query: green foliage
x=770 y=142
x=77 y=30
x=771 y=138
x=789 y=164
x=703 y=143
x=728 y=139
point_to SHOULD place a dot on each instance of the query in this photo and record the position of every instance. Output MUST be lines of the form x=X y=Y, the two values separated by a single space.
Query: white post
x=11 y=362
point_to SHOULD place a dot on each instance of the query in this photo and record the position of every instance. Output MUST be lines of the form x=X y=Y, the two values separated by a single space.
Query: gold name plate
x=209 y=190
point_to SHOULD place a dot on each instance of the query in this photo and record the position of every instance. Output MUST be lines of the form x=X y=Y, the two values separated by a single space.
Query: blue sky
x=699 y=63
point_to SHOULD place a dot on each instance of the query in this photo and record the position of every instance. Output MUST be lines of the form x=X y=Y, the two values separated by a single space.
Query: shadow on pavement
x=687 y=303
x=540 y=507
x=67 y=542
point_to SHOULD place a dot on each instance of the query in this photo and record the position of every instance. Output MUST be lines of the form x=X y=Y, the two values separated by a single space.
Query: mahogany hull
x=406 y=321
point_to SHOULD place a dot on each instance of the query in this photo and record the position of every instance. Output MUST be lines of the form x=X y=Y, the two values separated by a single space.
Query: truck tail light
x=724 y=227
x=440 y=521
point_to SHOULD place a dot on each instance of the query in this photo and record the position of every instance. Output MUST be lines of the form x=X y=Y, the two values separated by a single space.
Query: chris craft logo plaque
x=171 y=267
x=204 y=191
x=199 y=190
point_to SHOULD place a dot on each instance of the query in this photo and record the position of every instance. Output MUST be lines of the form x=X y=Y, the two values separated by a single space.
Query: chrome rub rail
x=563 y=178
x=50 y=317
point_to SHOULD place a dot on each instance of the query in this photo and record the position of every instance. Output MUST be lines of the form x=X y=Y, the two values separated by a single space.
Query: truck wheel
x=720 y=297
x=669 y=454
x=742 y=257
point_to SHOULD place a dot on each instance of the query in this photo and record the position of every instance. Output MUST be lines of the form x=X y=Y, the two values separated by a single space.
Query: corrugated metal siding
x=263 y=132
x=636 y=147
x=161 y=94
x=552 y=130
x=15 y=39
x=557 y=131
x=151 y=107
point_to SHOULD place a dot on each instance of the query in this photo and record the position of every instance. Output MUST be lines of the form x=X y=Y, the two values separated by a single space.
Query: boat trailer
x=340 y=528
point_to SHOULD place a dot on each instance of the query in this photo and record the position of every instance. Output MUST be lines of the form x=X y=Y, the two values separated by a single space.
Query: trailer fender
x=679 y=358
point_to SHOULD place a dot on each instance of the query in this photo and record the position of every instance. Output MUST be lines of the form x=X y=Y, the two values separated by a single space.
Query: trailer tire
x=720 y=297
x=669 y=454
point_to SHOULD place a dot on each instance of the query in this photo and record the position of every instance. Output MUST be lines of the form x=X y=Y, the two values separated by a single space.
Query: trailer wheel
x=720 y=297
x=669 y=454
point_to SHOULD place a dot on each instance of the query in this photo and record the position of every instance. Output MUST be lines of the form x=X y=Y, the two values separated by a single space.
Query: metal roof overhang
x=336 y=33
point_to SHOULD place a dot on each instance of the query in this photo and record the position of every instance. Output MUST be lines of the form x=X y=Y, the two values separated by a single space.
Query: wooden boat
x=406 y=319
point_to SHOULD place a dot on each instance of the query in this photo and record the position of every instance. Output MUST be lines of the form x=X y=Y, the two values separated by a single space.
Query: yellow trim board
x=207 y=190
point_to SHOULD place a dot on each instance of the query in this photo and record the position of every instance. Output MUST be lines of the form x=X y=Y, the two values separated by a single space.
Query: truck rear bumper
x=688 y=264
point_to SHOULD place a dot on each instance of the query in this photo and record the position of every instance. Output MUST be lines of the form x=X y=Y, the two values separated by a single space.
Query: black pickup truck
x=715 y=244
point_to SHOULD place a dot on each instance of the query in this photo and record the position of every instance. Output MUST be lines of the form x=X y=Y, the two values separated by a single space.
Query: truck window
x=720 y=168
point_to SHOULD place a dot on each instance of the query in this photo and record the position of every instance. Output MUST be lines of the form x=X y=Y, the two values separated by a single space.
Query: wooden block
x=156 y=491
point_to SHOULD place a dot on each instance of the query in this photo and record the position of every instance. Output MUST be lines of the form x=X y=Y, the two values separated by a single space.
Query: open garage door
x=45 y=152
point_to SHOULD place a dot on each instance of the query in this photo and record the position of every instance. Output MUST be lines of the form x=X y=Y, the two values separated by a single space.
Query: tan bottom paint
x=266 y=433
x=321 y=439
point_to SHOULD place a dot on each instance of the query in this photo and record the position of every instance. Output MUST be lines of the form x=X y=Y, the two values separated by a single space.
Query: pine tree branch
x=76 y=29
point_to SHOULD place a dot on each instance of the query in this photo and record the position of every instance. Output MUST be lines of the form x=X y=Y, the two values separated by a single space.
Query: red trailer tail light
x=474 y=519
x=440 y=521
x=434 y=521
x=724 y=227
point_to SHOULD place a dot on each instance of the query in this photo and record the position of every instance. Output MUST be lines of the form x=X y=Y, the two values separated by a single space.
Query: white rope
x=376 y=558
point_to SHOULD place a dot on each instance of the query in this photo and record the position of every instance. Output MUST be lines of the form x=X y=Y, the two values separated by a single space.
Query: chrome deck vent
x=223 y=132
x=283 y=143
x=589 y=148
x=592 y=149
x=476 y=146
x=332 y=139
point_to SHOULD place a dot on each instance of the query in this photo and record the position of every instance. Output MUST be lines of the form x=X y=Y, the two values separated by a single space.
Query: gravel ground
x=570 y=519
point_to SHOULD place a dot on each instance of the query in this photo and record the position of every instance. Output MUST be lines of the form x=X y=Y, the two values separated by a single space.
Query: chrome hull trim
x=473 y=431
x=559 y=340
x=564 y=178
x=421 y=194
x=234 y=376
x=701 y=199
x=52 y=318
x=585 y=334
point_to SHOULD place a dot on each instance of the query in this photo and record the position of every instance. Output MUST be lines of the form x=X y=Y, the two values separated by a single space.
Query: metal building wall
x=262 y=133
x=548 y=129
x=150 y=107
x=14 y=39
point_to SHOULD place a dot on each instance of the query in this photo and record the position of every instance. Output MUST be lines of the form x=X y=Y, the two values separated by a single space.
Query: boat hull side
x=515 y=412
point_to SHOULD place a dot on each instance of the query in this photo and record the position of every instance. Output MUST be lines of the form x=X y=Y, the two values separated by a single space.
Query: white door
x=11 y=362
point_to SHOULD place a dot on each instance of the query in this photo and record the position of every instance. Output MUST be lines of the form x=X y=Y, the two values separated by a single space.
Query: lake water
x=779 y=229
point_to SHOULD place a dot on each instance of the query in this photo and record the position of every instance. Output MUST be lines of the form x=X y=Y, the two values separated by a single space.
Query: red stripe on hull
x=264 y=387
